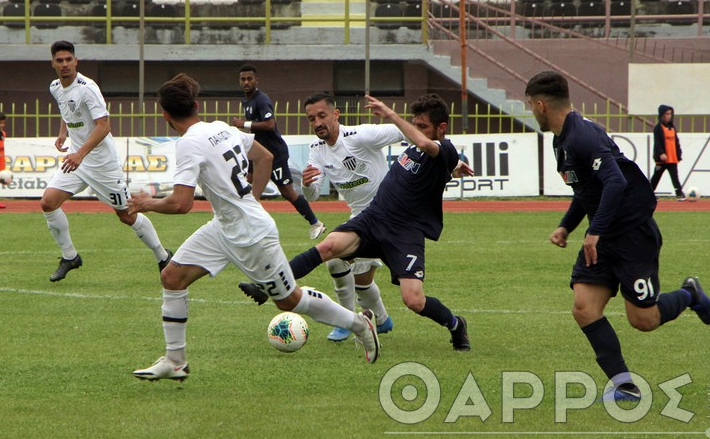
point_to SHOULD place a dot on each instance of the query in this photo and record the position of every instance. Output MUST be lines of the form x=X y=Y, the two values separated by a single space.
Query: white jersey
x=355 y=164
x=80 y=105
x=214 y=155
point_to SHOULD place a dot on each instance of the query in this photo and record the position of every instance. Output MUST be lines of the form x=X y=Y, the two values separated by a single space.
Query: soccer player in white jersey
x=91 y=161
x=353 y=160
x=216 y=156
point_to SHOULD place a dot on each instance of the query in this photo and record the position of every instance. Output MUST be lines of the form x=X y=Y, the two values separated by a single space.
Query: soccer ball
x=693 y=194
x=5 y=176
x=287 y=332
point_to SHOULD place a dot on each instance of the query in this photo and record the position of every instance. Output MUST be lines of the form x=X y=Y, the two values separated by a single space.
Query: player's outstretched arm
x=462 y=170
x=180 y=201
x=411 y=132
x=262 y=159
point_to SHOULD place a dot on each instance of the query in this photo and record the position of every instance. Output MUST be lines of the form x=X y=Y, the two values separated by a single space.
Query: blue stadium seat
x=560 y=8
x=163 y=10
x=14 y=10
x=47 y=10
x=443 y=10
x=127 y=10
x=683 y=7
x=620 y=7
x=592 y=8
x=413 y=10
x=389 y=10
x=532 y=8
x=98 y=10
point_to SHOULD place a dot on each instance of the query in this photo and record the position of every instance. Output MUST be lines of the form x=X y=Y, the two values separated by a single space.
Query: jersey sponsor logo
x=75 y=124
x=350 y=162
x=569 y=177
x=597 y=163
x=408 y=164
x=352 y=184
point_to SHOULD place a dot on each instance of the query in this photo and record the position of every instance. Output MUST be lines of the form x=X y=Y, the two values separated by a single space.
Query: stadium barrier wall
x=505 y=164
x=693 y=170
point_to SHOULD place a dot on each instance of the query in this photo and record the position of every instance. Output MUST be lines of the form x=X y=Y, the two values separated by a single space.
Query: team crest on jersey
x=350 y=162
x=72 y=105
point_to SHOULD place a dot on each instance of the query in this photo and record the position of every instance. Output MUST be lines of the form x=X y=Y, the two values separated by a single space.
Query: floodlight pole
x=632 y=31
x=464 y=66
x=367 y=47
x=141 y=64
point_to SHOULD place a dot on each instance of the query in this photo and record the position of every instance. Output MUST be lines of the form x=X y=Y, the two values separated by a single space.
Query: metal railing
x=24 y=120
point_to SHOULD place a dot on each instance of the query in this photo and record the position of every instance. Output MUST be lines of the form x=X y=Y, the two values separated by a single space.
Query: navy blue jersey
x=257 y=109
x=411 y=193
x=608 y=188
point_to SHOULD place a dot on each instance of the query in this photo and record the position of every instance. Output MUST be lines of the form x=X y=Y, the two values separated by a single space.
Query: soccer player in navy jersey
x=259 y=119
x=407 y=208
x=622 y=242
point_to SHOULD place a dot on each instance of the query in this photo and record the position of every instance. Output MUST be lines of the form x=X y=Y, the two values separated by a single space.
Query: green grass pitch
x=68 y=348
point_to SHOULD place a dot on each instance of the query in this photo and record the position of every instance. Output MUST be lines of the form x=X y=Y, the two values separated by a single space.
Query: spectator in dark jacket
x=666 y=150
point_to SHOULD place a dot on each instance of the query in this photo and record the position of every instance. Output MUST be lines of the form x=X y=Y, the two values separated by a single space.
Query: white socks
x=174 y=324
x=322 y=308
x=59 y=228
x=146 y=232
x=343 y=282
x=369 y=297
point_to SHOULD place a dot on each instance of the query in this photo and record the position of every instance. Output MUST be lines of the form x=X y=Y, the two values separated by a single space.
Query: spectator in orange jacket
x=3 y=118
x=666 y=150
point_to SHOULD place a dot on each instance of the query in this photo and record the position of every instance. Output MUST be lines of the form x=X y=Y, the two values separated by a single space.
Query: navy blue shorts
x=628 y=262
x=280 y=172
x=400 y=248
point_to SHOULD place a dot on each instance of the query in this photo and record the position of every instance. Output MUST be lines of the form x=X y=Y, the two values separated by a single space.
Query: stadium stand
x=47 y=10
x=388 y=10
x=413 y=10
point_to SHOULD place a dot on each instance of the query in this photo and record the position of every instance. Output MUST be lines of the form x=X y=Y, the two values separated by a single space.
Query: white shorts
x=363 y=265
x=264 y=263
x=106 y=182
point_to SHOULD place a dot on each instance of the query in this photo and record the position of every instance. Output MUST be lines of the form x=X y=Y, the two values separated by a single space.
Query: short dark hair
x=433 y=105
x=247 y=68
x=60 y=45
x=178 y=96
x=548 y=83
x=312 y=99
x=2 y=116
